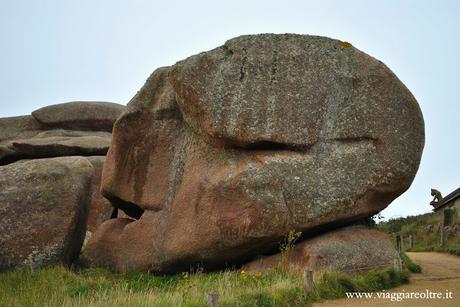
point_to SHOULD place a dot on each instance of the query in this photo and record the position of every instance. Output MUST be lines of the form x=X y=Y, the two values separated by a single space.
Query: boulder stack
x=50 y=172
x=66 y=129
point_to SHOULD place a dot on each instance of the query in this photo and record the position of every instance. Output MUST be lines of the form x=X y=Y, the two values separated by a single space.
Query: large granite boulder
x=352 y=249
x=219 y=156
x=43 y=211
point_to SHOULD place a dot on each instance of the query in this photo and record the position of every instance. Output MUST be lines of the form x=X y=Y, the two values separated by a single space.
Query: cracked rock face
x=219 y=156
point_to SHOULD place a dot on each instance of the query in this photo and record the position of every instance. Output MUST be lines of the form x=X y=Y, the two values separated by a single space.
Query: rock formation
x=218 y=157
x=72 y=128
x=47 y=204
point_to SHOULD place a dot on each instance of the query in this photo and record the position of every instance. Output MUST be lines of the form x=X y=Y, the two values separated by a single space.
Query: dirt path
x=440 y=273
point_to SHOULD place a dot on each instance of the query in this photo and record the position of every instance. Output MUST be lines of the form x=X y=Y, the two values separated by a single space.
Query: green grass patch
x=58 y=286
x=453 y=249
x=450 y=248
x=409 y=264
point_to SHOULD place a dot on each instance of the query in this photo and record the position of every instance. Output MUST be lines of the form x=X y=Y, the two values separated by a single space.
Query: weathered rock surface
x=150 y=143
x=19 y=127
x=55 y=143
x=62 y=146
x=352 y=249
x=219 y=156
x=43 y=210
x=100 y=208
x=80 y=115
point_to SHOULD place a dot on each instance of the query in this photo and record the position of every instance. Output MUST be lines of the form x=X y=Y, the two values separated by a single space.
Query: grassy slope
x=58 y=286
x=423 y=240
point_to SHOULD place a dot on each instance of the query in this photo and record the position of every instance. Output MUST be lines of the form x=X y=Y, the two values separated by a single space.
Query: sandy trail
x=440 y=273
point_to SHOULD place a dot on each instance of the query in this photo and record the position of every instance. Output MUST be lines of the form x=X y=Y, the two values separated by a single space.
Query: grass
x=450 y=248
x=409 y=264
x=424 y=240
x=59 y=286
x=453 y=249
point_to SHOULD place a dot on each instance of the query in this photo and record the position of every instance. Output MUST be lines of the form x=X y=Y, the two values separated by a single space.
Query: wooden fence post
x=398 y=243
x=411 y=242
x=397 y=265
x=308 y=280
x=213 y=300
x=442 y=222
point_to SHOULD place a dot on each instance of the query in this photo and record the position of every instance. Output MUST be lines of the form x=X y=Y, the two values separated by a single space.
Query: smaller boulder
x=352 y=249
x=43 y=211
x=80 y=115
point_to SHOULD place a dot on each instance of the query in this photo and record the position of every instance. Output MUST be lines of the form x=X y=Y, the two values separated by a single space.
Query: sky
x=54 y=51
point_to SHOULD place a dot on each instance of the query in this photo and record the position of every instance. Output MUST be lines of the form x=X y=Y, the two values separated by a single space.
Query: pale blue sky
x=62 y=50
